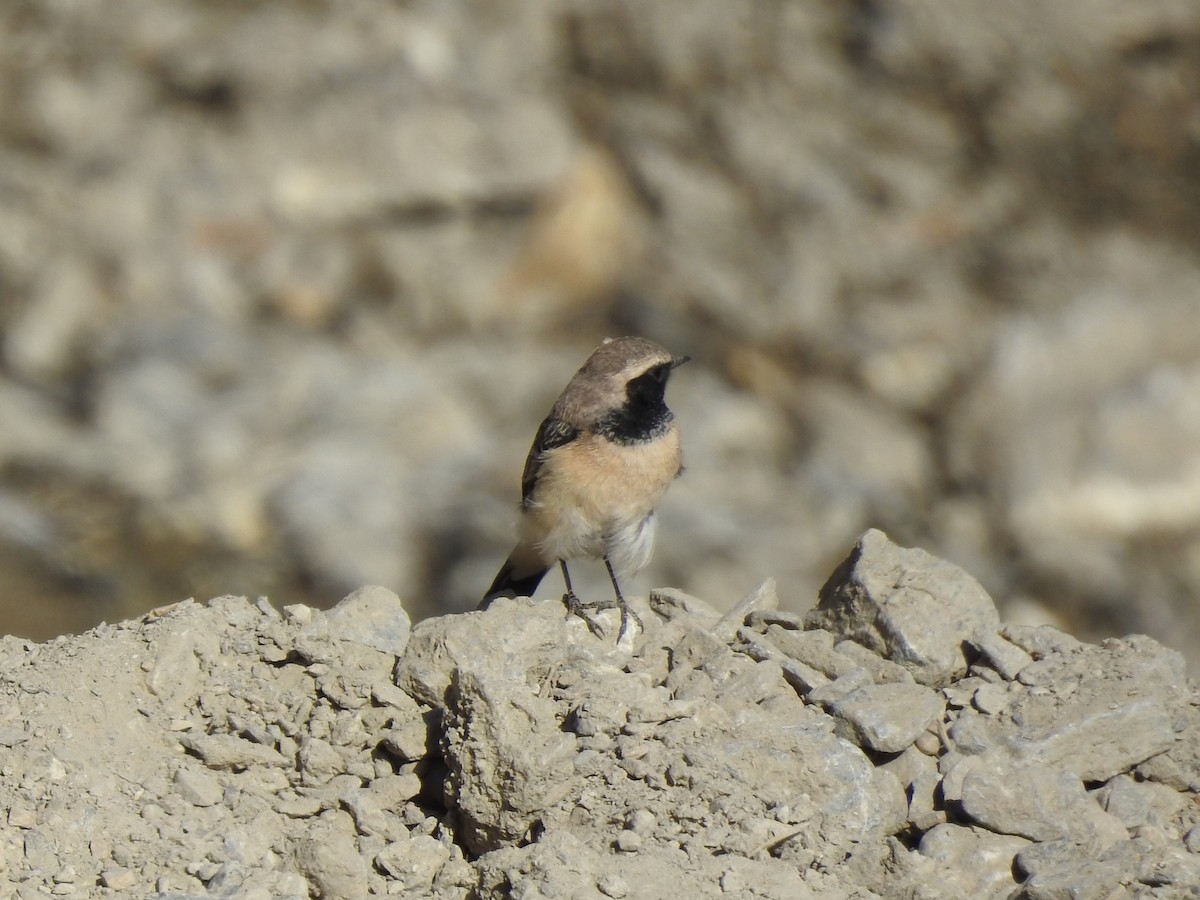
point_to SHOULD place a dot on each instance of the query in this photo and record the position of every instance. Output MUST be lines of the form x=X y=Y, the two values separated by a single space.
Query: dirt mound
x=896 y=741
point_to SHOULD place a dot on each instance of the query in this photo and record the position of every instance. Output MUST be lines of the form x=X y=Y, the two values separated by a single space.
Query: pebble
x=612 y=885
x=118 y=879
x=198 y=788
x=1191 y=840
x=641 y=821
x=22 y=816
x=629 y=841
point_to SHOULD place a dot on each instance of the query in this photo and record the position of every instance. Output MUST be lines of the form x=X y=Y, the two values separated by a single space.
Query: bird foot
x=576 y=607
x=585 y=611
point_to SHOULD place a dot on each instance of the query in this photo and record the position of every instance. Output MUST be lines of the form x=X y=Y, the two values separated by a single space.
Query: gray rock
x=372 y=616
x=802 y=677
x=671 y=603
x=763 y=597
x=1064 y=869
x=413 y=862
x=175 y=672
x=1038 y=803
x=883 y=671
x=1041 y=641
x=802 y=766
x=225 y=751
x=1118 y=714
x=514 y=636
x=1191 y=840
x=970 y=862
x=560 y=863
x=813 y=649
x=329 y=858
x=887 y=717
x=392 y=791
x=408 y=738
x=1138 y=803
x=370 y=816
x=1179 y=766
x=318 y=760
x=907 y=606
x=198 y=788
x=1001 y=654
x=507 y=757
x=918 y=775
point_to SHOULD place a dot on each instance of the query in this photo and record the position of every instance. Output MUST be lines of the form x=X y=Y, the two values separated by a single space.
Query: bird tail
x=520 y=575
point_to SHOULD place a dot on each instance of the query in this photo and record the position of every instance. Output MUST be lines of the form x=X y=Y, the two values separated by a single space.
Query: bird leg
x=576 y=607
x=626 y=612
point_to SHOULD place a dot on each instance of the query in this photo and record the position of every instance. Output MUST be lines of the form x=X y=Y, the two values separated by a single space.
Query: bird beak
x=679 y=361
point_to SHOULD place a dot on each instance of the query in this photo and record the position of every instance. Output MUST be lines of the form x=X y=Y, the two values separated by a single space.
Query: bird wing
x=550 y=434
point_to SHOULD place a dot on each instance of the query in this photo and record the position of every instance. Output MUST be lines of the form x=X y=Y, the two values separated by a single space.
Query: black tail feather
x=509 y=584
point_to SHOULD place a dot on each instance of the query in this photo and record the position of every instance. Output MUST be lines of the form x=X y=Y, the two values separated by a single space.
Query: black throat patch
x=644 y=415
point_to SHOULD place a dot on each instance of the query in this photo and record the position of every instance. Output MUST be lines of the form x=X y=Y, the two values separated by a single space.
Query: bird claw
x=584 y=611
x=576 y=607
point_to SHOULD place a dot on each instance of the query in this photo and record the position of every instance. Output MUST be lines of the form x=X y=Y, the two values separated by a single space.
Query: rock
x=438 y=647
x=372 y=616
x=370 y=816
x=1119 y=715
x=886 y=718
x=974 y=862
x=175 y=671
x=508 y=760
x=1137 y=803
x=329 y=858
x=763 y=597
x=813 y=649
x=224 y=751
x=198 y=788
x=1002 y=655
x=561 y=862
x=1179 y=765
x=907 y=606
x=413 y=863
x=1038 y=803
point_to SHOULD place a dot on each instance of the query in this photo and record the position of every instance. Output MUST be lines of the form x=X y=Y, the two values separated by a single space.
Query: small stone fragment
x=978 y=862
x=370 y=817
x=318 y=760
x=1039 y=803
x=329 y=858
x=764 y=596
x=1004 y=656
x=641 y=821
x=227 y=751
x=413 y=862
x=22 y=816
x=1058 y=869
x=118 y=879
x=1191 y=840
x=198 y=788
x=991 y=698
x=613 y=885
x=887 y=717
x=298 y=807
x=628 y=841
x=372 y=616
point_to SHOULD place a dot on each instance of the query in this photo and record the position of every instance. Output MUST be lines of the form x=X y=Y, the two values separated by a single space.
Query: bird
x=600 y=463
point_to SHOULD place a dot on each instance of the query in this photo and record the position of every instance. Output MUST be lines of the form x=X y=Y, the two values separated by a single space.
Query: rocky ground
x=897 y=741
x=286 y=288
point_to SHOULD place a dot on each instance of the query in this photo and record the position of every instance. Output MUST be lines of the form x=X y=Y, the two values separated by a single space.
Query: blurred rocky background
x=285 y=289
